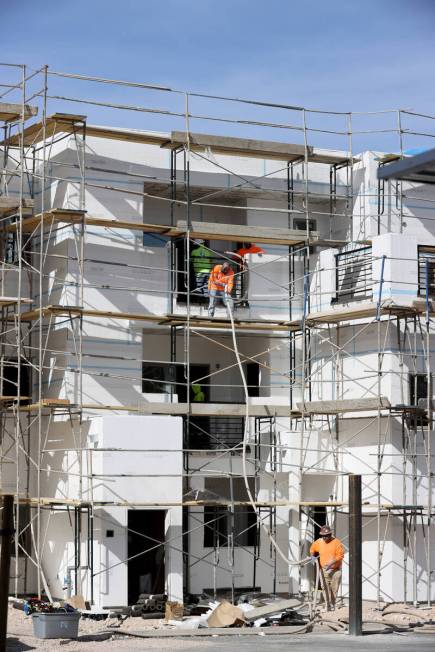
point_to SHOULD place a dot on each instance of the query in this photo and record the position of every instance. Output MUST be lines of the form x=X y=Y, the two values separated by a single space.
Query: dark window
x=199 y=274
x=253 y=378
x=418 y=399
x=11 y=251
x=157 y=378
x=10 y=379
x=218 y=519
x=211 y=433
x=301 y=224
x=426 y=271
x=318 y=519
x=417 y=389
x=24 y=534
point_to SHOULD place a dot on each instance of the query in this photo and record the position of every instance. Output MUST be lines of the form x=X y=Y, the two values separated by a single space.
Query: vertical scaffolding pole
x=5 y=564
x=19 y=244
x=355 y=557
x=428 y=443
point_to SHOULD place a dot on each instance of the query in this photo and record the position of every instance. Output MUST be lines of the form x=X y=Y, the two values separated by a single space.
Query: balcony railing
x=426 y=271
x=211 y=433
x=353 y=275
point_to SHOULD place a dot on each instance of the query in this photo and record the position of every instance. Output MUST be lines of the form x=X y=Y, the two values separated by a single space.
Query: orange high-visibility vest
x=220 y=281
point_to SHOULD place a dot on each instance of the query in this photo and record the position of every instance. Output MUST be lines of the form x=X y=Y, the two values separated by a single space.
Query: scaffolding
x=289 y=195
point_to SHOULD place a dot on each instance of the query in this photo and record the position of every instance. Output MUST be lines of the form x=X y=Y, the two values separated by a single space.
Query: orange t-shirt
x=253 y=249
x=220 y=281
x=329 y=553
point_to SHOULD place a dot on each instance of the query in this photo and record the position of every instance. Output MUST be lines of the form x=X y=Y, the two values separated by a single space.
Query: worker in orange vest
x=249 y=248
x=220 y=286
x=331 y=554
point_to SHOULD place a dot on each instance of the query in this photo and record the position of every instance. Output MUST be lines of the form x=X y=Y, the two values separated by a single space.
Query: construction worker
x=243 y=250
x=202 y=263
x=220 y=286
x=330 y=551
x=198 y=394
x=249 y=248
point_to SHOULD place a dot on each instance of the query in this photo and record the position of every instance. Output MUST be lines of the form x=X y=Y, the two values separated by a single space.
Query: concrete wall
x=153 y=473
x=344 y=365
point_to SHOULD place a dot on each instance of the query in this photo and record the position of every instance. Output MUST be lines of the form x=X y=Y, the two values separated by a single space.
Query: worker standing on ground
x=202 y=262
x=220 y=286
x=330 y=550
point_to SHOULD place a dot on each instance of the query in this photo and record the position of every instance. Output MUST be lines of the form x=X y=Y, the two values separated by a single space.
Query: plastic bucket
x=56 y=625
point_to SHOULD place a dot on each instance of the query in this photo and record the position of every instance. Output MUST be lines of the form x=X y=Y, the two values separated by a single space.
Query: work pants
x=219 y=294
x=332 y=581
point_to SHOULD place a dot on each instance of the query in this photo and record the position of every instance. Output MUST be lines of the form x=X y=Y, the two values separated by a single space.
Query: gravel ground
x=20 y=637
x=93 y=636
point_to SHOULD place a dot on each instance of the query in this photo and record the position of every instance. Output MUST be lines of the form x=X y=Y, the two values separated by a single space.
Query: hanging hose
x=283 y=556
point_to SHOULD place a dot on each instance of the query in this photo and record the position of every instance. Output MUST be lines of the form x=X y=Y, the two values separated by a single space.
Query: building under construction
x=151 y=448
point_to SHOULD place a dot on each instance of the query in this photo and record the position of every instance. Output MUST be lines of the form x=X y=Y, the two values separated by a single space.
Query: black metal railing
x=426 y=271
x=353 y=275
x=211 y=433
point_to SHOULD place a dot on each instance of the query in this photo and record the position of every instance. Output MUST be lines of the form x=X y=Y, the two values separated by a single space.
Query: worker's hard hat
x=325 y=530
x=198 y=241
x=225 y=266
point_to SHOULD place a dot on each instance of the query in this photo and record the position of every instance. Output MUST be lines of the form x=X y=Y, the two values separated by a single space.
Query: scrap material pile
x=254 y=615
x=296 y=616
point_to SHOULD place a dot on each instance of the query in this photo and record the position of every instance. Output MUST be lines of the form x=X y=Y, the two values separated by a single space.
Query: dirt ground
x=91 y=637
x=93 y=634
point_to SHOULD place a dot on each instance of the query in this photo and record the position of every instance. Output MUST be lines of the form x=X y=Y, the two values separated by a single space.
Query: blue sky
x=335 y=55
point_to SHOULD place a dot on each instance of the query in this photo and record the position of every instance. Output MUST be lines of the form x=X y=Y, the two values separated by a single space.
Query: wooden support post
x=6 y=532
x=355 y=557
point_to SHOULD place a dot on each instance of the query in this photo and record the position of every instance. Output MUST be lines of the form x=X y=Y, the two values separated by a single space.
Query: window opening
x=217 y=519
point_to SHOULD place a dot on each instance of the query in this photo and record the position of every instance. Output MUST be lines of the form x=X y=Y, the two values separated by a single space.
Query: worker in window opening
x=330 y=551
x=220 y=286
x=198 y=394
x=245 y=248
x=249 y=248
x=202 y=263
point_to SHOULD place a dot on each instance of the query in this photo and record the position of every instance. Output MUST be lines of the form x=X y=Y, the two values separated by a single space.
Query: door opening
x=146 y=562
x=318 y=516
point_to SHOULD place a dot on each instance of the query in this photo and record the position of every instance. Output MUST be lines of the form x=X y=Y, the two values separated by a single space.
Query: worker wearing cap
x=330 y=551
x=202 y=262
x=249 y=248
x=245 y=249
x=220 y=286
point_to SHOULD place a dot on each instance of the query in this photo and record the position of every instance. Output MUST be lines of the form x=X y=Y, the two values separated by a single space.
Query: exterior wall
x=156 y=464
x=405 y=208
x=113 y=350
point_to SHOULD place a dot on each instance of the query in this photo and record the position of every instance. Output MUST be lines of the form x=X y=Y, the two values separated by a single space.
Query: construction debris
x=174 y=610
x=149 y=606
x=226 y=615
x=273 y=608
